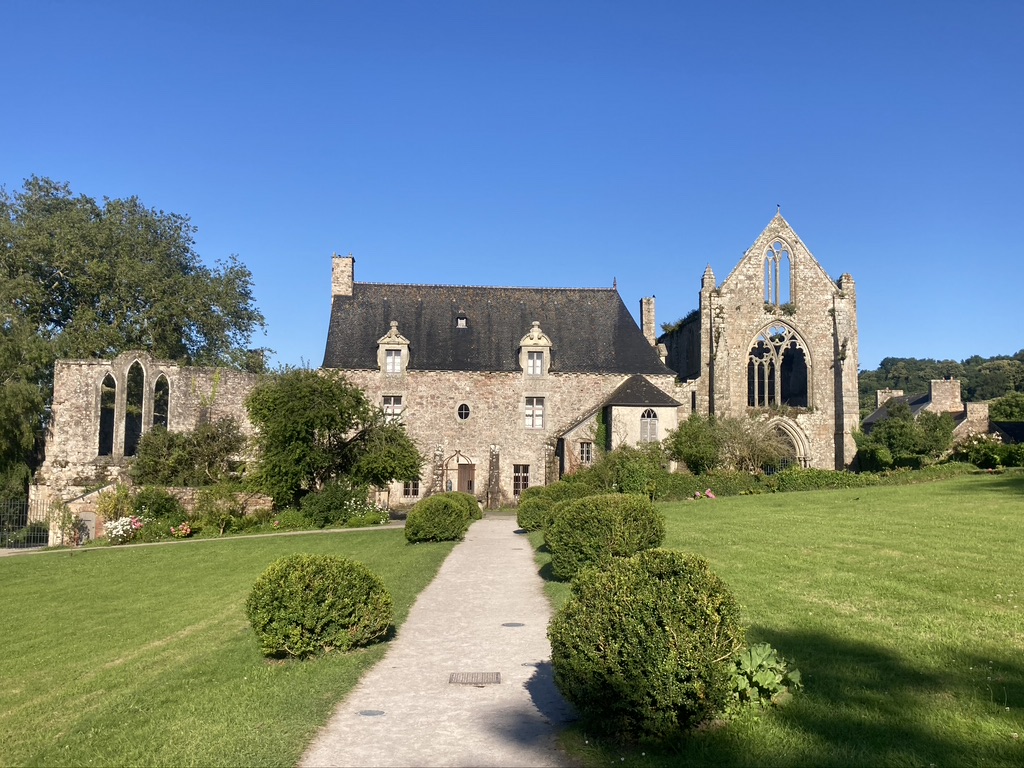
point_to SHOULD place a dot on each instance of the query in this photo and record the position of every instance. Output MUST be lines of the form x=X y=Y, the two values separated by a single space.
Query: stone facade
x=504 y=388
x=777 y=337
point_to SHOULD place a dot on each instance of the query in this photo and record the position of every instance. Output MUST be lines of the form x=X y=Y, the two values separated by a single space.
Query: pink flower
x=709 y=494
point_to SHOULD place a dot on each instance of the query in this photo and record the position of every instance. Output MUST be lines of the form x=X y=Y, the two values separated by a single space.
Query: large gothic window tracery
x=777 y=274
x=777 y=371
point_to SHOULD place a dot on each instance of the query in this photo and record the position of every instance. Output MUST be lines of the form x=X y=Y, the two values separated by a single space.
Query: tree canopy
x=81 y=278
x=314 y=427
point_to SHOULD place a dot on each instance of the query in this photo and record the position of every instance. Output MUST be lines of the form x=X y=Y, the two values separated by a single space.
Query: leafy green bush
x=335 y=504
x=697 y=443
x=762 y=677
x=290 y=520
x=643 y=647
x=158 y=504
x=597 y=529
x=437 y=518
x=980 y=450
x=305 y=605
x=219 y=508
x=537 y=503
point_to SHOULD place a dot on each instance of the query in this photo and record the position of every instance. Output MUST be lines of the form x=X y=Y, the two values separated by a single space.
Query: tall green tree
x=81 y=278
x=314 y=427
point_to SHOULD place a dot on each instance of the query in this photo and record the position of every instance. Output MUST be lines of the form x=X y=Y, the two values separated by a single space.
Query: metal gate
x=23 y=524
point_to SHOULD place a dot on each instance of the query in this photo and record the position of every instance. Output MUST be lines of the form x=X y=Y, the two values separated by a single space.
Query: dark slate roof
x=636 y=390
x=590 y=329
x=1012 y=431
x=916 y=403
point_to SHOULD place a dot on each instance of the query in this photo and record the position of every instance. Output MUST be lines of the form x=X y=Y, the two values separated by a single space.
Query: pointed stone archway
x=794 y=435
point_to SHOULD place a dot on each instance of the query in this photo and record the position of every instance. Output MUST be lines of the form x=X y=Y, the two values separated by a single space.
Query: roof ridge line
x=498 y=287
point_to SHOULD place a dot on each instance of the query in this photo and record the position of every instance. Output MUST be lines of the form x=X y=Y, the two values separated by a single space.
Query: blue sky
x=551 y=144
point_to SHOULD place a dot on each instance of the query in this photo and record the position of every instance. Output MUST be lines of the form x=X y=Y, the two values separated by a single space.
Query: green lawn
x=143 y=655
x=903 y=607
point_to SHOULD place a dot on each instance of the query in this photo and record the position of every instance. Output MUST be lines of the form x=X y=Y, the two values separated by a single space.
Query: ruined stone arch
x=134 y=406
x=790 y=430
x=778 y=369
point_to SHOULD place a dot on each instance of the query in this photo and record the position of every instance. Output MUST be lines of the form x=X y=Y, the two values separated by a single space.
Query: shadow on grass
x=861 y=705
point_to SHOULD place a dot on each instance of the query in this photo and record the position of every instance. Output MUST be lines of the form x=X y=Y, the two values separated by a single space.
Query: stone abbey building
x=504 y=388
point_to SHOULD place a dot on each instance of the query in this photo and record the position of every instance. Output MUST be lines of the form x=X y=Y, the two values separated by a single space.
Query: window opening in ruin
x=161 y=402
x=411 y=488
x=586 y=453
x=535 y=363
x=777 y=275
x=535 y=413
x=649 y=426
x=134 y=399
x=463 y=412
x=520 y=478
x=393 y=361
x=108 y=396
x=392 y=407
x=777 y=370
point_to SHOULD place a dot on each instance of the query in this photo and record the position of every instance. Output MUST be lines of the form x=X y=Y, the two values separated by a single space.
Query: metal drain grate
x=474 y=678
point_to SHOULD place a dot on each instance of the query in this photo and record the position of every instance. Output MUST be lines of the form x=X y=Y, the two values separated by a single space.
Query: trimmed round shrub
x=437 y=518
x=307 y=605
x=595 y=530
x=537 y=502
x=643 y=648
x=530 y=512
x=468 y=500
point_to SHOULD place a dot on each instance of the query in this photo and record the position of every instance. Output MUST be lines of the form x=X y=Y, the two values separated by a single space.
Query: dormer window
x=393 y=351
x=535 y=352
x=460 y=321
x=534 y=363
x=393 y=361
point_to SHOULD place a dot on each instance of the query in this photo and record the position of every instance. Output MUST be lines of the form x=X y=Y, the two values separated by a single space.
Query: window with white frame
x=393 y=361
x=586 y=453
x=411 y=489
x=648 y=426
x=520 y=478
x=392 y=407
x=535 y=363
x=535 y=413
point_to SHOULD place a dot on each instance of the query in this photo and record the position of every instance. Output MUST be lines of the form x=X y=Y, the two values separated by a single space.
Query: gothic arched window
x=649 y=426
x=134 y=396
x=777 y=372
x=108 y=397
x=777 y=275
x=161 y=402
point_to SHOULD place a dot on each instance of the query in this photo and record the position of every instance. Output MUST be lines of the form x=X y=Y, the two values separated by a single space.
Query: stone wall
x=495 y=434
x=73 y=464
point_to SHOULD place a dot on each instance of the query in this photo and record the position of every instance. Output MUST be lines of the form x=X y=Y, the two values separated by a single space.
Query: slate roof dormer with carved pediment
x=470 y=328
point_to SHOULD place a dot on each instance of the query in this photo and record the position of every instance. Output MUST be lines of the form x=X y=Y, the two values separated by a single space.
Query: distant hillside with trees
x=981 y=378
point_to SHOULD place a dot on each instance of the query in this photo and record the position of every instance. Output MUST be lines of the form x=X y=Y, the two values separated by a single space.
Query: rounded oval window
x=463 y=412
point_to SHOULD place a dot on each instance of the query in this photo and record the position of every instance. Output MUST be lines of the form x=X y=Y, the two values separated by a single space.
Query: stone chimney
x=882 y=396
x=342 y=275
x=647 y=320
x=944 y=395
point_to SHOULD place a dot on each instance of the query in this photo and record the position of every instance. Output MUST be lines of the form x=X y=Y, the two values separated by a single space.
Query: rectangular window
x=534 y=363
x=392 y=407
x=586 y=453
x=535 y=413
x=520 y=478
x=393 y=360
x=411 y=489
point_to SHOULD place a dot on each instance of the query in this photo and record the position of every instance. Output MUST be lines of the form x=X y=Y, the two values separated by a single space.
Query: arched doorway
x=460 y=473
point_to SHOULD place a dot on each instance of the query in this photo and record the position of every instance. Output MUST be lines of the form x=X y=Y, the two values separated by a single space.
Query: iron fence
x=23 y=524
